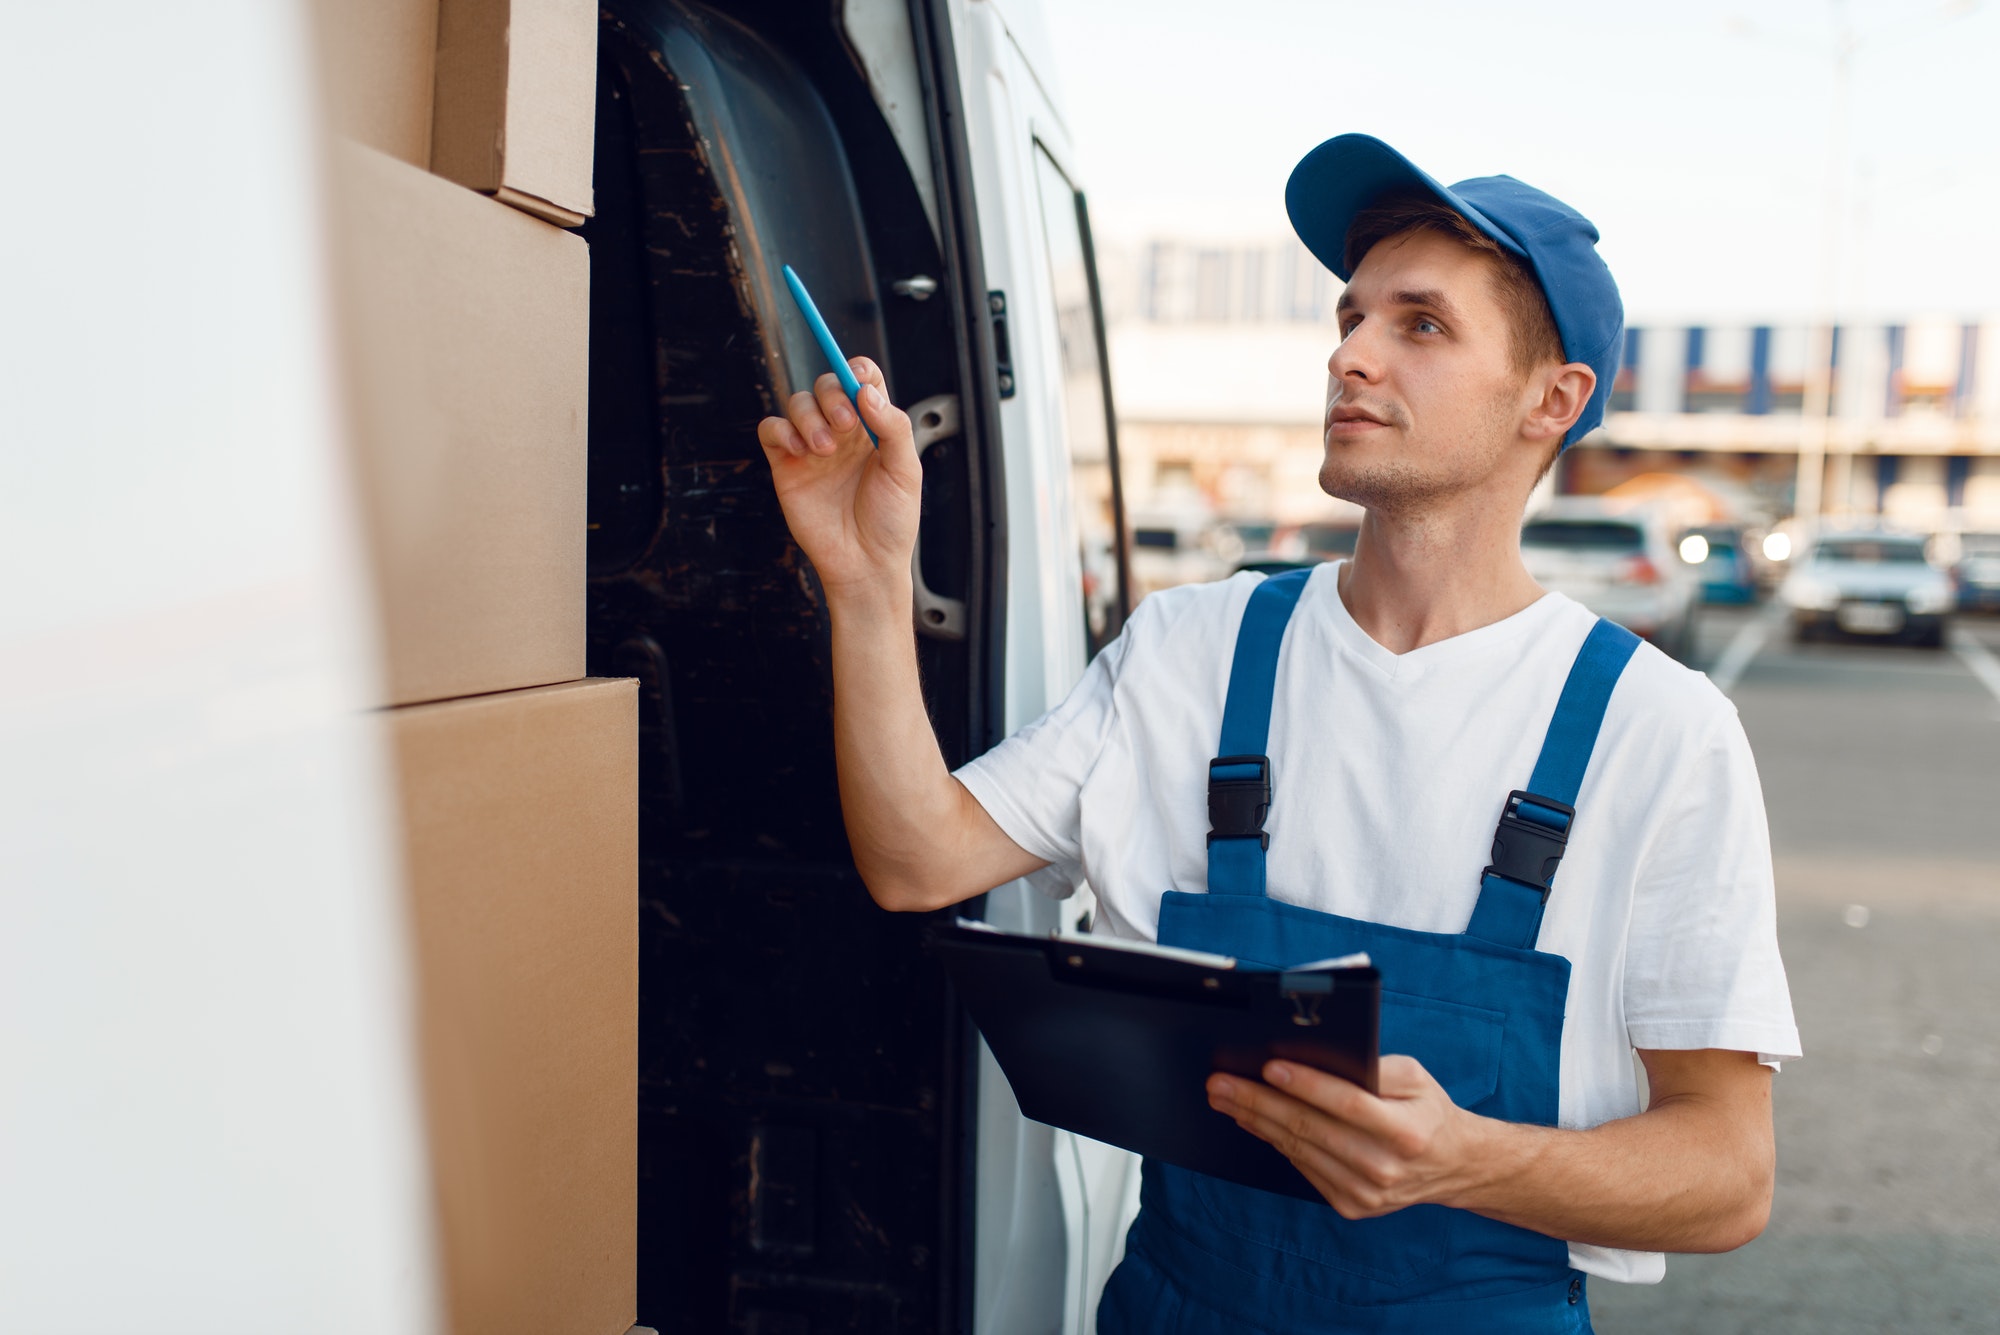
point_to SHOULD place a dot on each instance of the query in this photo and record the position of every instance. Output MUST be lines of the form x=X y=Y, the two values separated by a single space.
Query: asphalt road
x=1881 y=770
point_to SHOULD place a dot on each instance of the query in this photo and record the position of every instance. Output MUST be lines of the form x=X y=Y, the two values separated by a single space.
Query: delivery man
x=1392 y=754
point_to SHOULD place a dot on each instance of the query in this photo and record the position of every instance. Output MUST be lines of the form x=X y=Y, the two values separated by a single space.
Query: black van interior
x=804 y=1079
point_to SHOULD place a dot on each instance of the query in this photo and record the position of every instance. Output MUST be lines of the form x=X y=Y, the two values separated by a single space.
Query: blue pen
x=824 y=337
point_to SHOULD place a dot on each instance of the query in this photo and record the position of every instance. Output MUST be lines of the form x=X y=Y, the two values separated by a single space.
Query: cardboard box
x=520 y=815
x=376 y=59
x=466 y=331
x=516 y=102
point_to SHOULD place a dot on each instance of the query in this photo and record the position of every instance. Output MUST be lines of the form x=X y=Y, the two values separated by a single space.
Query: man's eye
x=1427 y=326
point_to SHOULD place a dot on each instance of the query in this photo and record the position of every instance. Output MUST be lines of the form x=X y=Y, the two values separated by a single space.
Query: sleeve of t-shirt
x=1031 y=783
x=1702 y=962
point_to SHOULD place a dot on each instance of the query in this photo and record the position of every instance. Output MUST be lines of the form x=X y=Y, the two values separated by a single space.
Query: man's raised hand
x=852 y=508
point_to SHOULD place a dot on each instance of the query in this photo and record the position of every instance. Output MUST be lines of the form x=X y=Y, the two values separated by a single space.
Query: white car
x=1619 y=562
x=1879 y=585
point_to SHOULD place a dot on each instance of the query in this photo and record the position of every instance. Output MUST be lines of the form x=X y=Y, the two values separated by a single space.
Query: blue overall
x=1482 y=1010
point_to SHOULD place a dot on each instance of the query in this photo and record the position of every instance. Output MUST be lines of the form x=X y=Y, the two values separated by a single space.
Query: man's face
x=1423 y=399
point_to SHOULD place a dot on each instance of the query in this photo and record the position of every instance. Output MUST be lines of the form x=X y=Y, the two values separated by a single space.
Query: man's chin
x=1387 y=484
x=1351 y=468
x=1337 y=485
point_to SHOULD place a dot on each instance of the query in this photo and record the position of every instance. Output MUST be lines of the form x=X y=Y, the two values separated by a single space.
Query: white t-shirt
x=1388 y=774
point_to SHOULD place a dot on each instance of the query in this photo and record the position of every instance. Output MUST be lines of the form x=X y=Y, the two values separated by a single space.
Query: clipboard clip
x=1305 y=991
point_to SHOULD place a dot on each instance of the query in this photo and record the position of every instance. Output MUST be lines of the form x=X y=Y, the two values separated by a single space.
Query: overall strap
x=1239 y=779
x=1535 y=825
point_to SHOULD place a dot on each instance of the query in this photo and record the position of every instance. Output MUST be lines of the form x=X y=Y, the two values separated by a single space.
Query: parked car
x=1296 y=546
x=1620 y=563
x=1878 y=585
x=1255 y=534
x=1324 y=540
x=1722 y=560
x=1775 y=549
x=1275 y=550
x=1976 y=574
x=1269 y=563
x=1180 y=546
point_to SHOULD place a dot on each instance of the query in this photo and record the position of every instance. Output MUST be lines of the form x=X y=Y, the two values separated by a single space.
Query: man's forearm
x=1681 y=1177
x=1693 y=1173
x=920 y=840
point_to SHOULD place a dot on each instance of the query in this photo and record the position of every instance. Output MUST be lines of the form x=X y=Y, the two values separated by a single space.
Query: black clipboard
x=1116 y=1043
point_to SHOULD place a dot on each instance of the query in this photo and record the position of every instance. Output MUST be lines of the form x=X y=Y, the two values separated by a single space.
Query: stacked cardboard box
x=522 y=860
x=507 y=120
x=497 y=95
x=462 y=135
x=467 y=331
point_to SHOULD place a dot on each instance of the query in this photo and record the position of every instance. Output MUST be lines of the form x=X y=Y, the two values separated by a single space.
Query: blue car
x=1721 y=562
x=1977 y=573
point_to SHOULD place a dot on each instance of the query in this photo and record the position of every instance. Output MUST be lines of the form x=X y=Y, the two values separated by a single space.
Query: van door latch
x=1003 y=352
x=941 y=618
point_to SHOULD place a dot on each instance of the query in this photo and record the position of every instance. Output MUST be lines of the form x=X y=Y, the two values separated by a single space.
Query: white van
x=824 y=1142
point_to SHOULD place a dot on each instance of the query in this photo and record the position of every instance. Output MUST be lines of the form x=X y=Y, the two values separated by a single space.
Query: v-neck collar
x=1497 y=637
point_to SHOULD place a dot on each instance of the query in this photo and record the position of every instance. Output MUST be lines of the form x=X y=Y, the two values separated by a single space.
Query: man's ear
x=1566 y=392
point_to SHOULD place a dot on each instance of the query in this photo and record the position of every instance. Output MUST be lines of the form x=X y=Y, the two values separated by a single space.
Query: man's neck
x=1415 y=580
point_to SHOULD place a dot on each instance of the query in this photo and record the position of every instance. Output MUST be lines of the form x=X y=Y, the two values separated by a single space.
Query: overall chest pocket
x=1460 y=1046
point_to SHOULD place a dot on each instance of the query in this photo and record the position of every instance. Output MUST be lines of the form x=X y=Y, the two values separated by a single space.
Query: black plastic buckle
x=1237 y=806
x=1529 y=845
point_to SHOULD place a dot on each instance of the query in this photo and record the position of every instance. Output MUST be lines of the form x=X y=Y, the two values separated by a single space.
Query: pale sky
x=1694 y=134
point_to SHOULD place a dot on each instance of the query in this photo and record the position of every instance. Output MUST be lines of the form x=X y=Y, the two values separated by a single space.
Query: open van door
x=823 y=1144
x=1067 y=596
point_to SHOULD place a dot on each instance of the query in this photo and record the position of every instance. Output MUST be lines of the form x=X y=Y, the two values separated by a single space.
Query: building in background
x=1912 y=439
x=1218 y=356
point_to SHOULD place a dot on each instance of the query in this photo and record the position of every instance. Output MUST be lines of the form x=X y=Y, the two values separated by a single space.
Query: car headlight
x=1809 y=594
x=1929 y=599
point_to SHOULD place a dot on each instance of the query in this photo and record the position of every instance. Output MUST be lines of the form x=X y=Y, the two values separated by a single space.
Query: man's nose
x=1353 y=356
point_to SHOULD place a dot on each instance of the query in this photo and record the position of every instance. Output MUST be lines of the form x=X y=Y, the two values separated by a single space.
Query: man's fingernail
x=1278 y=1073
x=872 y=396
x=1221 y=1088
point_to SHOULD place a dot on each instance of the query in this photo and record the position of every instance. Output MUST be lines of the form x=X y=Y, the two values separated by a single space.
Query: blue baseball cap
x=1349 y=172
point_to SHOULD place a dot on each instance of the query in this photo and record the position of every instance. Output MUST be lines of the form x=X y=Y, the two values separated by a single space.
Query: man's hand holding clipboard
x=1367 y=1153
x=1113 y=1040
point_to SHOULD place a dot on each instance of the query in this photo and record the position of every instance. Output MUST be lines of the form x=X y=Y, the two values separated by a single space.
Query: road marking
x=1978 y=658
x=1736 y=656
